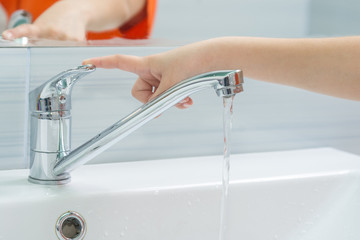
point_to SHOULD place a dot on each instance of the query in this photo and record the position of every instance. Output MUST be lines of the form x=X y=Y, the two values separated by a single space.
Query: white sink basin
x=304 y=194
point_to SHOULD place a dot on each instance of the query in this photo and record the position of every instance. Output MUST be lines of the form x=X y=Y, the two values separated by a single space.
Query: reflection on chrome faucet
x=51 y=158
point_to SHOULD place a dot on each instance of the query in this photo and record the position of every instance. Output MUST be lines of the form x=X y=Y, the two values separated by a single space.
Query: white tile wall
x=13 y=69
x=267 y=117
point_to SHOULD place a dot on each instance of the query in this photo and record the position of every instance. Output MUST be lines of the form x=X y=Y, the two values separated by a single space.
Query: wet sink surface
x=308 y=194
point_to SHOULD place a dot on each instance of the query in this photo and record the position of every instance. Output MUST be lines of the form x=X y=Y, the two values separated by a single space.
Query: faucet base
x=41 y=169
x=59 y=181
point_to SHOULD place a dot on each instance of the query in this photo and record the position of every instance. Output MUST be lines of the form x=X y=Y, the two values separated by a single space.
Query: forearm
x=329 y=66
x=101 y=15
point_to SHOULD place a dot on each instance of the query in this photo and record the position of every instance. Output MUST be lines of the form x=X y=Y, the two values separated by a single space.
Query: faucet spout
x=225 y=83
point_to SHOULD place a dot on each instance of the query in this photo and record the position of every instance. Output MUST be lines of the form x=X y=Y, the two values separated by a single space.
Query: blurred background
x=202 y=19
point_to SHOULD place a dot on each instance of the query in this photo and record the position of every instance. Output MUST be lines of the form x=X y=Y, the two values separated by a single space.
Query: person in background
x=3 y=18
x=324 y=65
x=78 y=20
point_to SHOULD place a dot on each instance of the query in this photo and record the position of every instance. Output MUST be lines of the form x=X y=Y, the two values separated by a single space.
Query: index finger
x=123 y=62
x=24 y=30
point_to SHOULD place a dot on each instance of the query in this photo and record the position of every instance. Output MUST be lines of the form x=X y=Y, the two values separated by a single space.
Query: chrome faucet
x=51 y=158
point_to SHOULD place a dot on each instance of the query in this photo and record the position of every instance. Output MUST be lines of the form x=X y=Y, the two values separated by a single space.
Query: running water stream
x=227 y=121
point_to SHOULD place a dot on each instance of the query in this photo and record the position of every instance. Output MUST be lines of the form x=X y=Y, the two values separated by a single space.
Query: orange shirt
x=138 y=27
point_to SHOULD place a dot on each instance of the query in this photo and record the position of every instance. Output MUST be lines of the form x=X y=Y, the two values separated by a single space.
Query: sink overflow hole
x=70 y=226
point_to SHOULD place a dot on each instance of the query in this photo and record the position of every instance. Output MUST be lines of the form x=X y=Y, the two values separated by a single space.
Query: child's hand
x=153 y=79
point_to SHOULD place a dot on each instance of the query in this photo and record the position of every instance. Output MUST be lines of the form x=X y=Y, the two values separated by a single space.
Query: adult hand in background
x=60 y=22
x=71 y=19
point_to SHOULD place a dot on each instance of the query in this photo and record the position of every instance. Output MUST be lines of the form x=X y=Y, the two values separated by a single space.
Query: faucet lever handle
x=55 y=94
x=66 y=79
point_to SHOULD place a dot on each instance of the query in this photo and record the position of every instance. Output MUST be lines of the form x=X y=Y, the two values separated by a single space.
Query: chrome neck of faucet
x=50 y=125
x=225 y=83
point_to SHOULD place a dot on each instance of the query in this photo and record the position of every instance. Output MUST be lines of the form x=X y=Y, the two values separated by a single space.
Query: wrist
x=209 y=55
x=79 y=10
